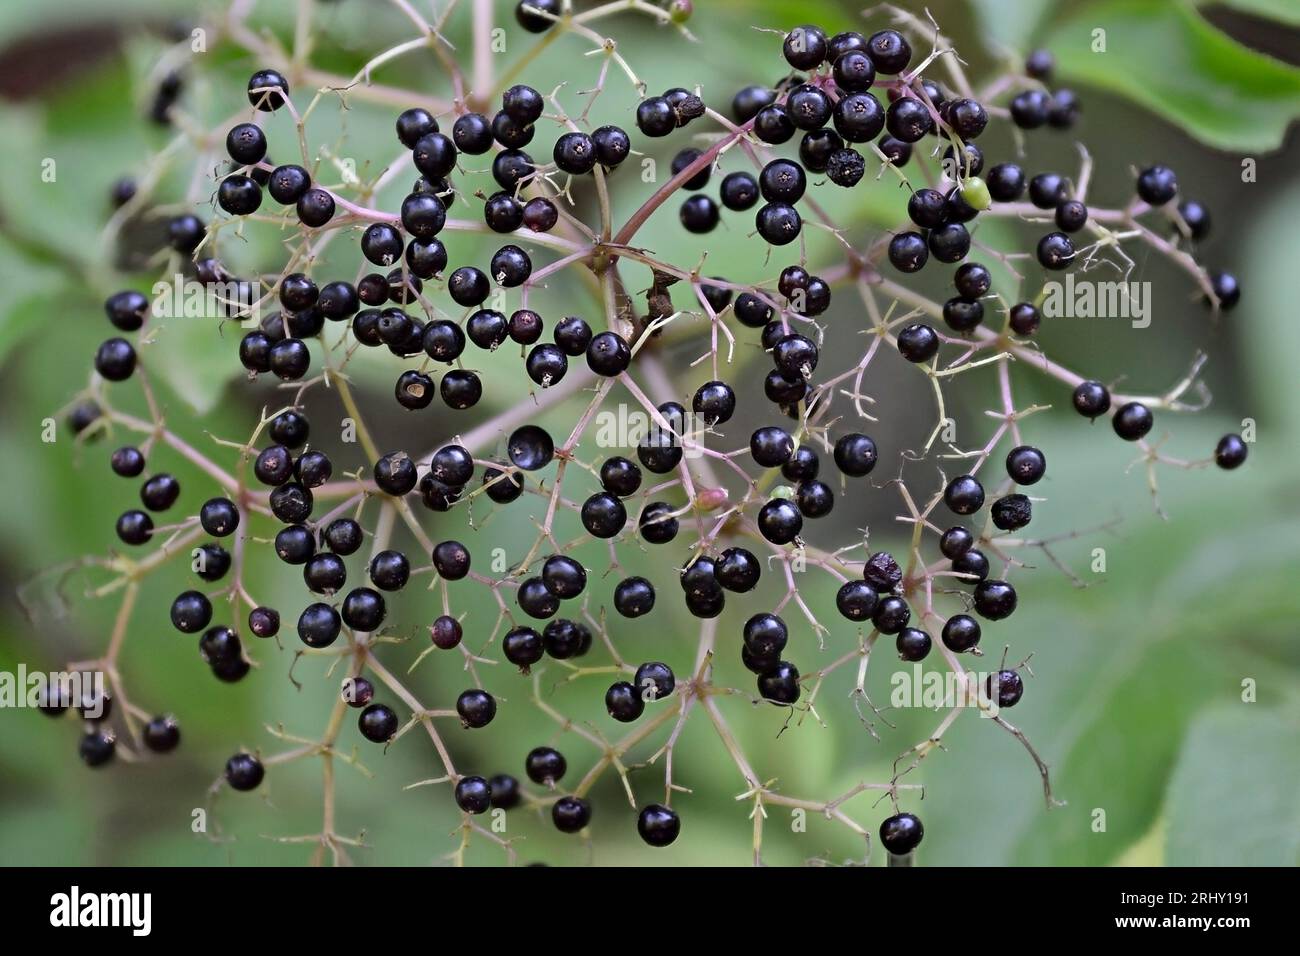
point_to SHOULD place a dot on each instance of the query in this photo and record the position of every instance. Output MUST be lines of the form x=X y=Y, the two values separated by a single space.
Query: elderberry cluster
x=793 y=468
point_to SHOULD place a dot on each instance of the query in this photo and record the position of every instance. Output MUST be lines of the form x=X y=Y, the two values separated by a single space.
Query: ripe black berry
x=1091 y=399
x=859 y=117
x=264 y=621
x=950 y=242
x=889 y=51
x=244 y=771
x=654 y=680
x=476 y=708
x=1006 y=182
x=603 y=515
x=658 y=825
x=964 y=495
x=913 y=644
x=1230 y=452
x=960 y=633
x=1132 y=421
x=901 y=833
x=1156 y=185
x=623 y=702
x=390 y=570
x=1006 y=687
x=857 y=600
x=780 y=521
x=908 y=120
x=288 y=184
x=780 y=685
x=699 y=214
x=918 y=343
x=995 y=600
x=522 y=646
x=778 y=223
x=805 y=47
x=1012 y=512
x=191 y=612
x=115 y=359
x=657 y=524
x=134 y=527
x=908 y=251
x=162 y=734
x=1055 y=251
x=537 y=16
x=570 y=814
x=378 y=723
x=473 y=794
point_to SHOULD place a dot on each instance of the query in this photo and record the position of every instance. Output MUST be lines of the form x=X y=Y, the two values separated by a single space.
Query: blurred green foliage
x=1136 y=698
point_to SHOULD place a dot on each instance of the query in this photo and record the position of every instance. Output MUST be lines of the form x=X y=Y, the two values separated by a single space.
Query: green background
x=1136 y=695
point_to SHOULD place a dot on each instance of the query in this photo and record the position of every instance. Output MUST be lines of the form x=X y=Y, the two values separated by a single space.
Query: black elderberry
x=657 y=524
x=1026 y=465
x=891 y=614
x=134 y=527
x=239 y=195
x=570 y=814
x=699 y=214
x=1091 y=399
x=162 y=734
x=1132 y=421
x=97 y=747
x=1047 y=190
x=191 y=612
x=476 y=708
x=1006 y=182
x=1011 y=512
x=1156 y=185
x=378 y=723
x=739 y=191
x=1230 y=452
x=913 y=644
x=654 y=680
x=918 y=343
x=612 y=145
x=623 y=702
x=502 y=487
x=961 y=632
x=804 y=47
x=780 y=685
x=115 y=359
x=295 y=544
x=908 y=120
x=445 y=632
x=994 y=600
x=658 y=825
x=655 y=117
x=815 y=499
x=890 y=51
x=765 y=635
x=901 y=834
x=474 y=794
x=268 y=90
x=972 y=565
x=522 y=646
x=1006 y=687
x=1055 y=251
x=536 y=599
x=264 y=621
x=859 y=117
x=127 y=462
x=779 y=521
x=390 y=570
x=1024 y=318
x=363 y=609
x=949 y=242
x=563 y=576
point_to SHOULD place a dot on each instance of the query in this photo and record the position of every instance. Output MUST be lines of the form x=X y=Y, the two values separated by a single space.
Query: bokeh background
x=1136 y=698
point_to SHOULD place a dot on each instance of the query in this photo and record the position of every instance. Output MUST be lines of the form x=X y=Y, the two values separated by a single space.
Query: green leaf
x=1166 y=58
x=1283 y=11
x=1239 y=764
x=195 y=363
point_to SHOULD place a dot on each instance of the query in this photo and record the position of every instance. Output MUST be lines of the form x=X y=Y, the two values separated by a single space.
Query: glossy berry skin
x=545 y=765
x=778 y=223
x=378 y=723
x=891 y=615
x=134 y=527
x=1024 y=318
x=191 y=612
x=699 y=214
x=901 y=834
x=564 y=576
x=267 y=90
x=654 y=680
x=522 y=647
x=536 y=599
x=160 y=492
x=995 y=600
x=612 y=145
x=1091 y=399
x=476 y=708
x=244 y=772
x=219 y=517
x=859 y=117
x=815 y=499
x=319 y=625
x=771 y=446
x=1055 y=251
x=1029 y=109
x=603 y=515
x=1132 y=421
x=1006 y=687
x=239 y=195
x=634 y=597
x=288 y=184
x=363 y=609
x=890 y=51
x=315 y=208
x=855 y=455
x=805 y=47
x=1157 y=185
x=126 y=310
x=115 y=359
x=608 y=354
x=658 y=825
x=955 y=542
x=390 y=570
x=908 y=252
x=964 y=495
x=949 y=242
x=739 y=191
x=918 y=343
x=573 y=335
x=1230 y=452
x=1196 y=217
x=1071 y=216
x=162 y=734
x=473 y=794
x=656 y=524
x=961 y=632
x=264 y=621
x=127 y=462
x=623 y=702
x=530 y=448
x=654 y=117
x=972 y=564
x=779 y=685
x=1006 y=182
x=1026 y=465
x=529 y=14
x=913 y=644
x=857 y=600
x=779 y=521
x=908 y=120
x=570 y=814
